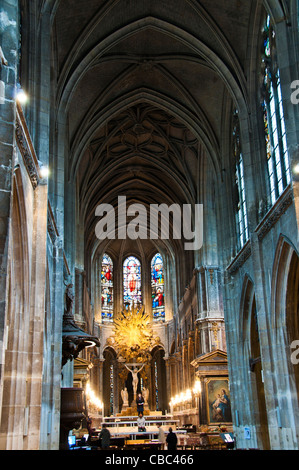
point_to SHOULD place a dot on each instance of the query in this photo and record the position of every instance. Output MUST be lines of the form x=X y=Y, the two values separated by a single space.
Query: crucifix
x=134 y=371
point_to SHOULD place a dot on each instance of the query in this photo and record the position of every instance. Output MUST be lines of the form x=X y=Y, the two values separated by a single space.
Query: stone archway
x=252 y=350
x=17 y=322
x=258 y=381
x=292 y=312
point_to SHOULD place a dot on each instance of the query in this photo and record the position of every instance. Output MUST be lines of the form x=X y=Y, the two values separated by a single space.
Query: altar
x=125 y=427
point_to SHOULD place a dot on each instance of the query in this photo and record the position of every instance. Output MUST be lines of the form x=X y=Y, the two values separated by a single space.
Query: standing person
x=140 y=403
x=105 y=437
x=161 y=436
x=171 y=441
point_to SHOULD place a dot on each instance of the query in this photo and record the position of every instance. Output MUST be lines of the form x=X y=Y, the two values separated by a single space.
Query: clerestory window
x=274 y=124
x=239 y=197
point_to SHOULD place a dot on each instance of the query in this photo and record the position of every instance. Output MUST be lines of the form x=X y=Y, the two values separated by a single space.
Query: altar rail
x=121 y=426
x=152 y=417
x=168 y=422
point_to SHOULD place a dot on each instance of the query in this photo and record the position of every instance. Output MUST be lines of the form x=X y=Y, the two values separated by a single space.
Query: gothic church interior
x=109 y=110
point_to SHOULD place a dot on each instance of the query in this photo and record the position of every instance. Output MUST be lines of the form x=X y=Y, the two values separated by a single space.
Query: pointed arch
x=68 y=81
x=284 y=253
x=17 y=321
x=285 y=323
x=144 y=95
x=247 y=297
x=253 y=360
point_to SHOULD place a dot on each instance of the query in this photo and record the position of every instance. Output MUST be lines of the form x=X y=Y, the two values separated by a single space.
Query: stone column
x=168 y=379
x=37 y=314
x=8 y=66
x=210 y=318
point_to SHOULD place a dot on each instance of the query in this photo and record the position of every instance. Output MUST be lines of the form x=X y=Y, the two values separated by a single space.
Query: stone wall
x=260 y=270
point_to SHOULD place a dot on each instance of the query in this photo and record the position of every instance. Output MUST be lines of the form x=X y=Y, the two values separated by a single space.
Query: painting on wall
x=218 y=401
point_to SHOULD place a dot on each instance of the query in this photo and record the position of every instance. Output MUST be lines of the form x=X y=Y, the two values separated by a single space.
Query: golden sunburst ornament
x=133 y=335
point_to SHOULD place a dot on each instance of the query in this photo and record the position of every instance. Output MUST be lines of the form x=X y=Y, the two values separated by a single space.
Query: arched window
x=132 y=282
x=274 y=125
x=240 y=201
x=107 y=288
x=157 y=286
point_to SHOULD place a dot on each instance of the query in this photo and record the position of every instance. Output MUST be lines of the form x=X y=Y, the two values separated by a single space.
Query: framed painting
x=218 y=401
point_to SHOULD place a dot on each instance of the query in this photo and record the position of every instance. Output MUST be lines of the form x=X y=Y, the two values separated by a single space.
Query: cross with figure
x=134 y=371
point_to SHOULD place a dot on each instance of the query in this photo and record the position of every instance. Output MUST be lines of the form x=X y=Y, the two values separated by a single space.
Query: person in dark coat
x=104 y=437
x=171 y=440
x=140 y=403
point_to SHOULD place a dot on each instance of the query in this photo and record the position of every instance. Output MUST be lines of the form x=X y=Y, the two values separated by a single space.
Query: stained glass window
x=132 y=282
x=241 y=210
x=274 y=124
x=107 y=288
x=157 y=286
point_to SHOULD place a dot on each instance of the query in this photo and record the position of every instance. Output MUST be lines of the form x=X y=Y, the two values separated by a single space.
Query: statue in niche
x=69 y=299
x=68 y=317
x=124 y=396
x=145 y=393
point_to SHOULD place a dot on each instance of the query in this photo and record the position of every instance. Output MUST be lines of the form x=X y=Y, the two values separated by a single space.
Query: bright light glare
x=44 y=172
x=22 y=97
x=93 y=398
x=296 y=169
x=197 y=387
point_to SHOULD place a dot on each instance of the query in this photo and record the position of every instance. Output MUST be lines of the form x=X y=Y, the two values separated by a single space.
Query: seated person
x=141 y=423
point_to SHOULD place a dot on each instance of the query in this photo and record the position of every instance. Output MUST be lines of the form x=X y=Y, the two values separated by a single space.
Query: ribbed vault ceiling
x=143 y=85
